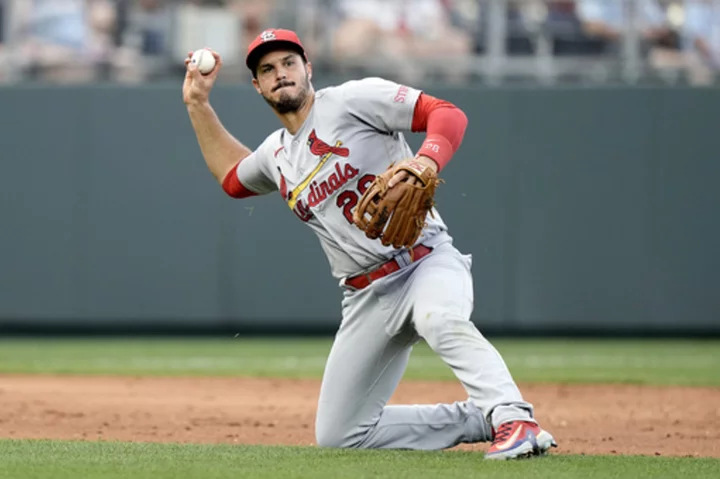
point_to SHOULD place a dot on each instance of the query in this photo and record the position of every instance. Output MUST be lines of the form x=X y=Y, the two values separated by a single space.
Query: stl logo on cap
x=267 y=35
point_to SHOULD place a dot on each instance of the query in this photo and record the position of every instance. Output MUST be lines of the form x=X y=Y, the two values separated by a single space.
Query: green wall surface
x=584 y=209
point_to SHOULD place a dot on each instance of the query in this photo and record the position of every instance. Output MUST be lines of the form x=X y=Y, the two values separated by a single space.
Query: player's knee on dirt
x=332 y=435
x=332 y=432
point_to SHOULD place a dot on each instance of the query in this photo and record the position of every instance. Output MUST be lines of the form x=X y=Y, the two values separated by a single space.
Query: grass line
x=690 y=363
x=111 y=460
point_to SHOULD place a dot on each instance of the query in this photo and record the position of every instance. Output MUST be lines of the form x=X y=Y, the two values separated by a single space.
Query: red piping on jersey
x=444 y=124
x=233 y=187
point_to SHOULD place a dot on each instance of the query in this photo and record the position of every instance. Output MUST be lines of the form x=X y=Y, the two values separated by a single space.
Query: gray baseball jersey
x=353 y=133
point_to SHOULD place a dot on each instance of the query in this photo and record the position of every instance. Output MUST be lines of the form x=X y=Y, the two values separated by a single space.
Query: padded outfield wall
x=586 y=210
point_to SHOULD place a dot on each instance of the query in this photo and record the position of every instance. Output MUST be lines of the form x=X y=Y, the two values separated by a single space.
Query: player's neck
x=293 y=121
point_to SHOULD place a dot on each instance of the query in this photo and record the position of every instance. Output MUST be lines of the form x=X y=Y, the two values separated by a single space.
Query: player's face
x=283 y=79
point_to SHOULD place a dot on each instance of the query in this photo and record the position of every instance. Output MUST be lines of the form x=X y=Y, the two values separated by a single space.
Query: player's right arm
x=221 y=150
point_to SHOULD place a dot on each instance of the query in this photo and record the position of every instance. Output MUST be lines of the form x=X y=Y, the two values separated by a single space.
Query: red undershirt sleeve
x=251 y=175
x=233 y=187
x=444 y=124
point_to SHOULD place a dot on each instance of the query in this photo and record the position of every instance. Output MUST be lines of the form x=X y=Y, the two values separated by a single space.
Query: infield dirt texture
x=616 y=398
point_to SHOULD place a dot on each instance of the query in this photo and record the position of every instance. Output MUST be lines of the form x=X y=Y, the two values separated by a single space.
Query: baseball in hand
x=204 y=60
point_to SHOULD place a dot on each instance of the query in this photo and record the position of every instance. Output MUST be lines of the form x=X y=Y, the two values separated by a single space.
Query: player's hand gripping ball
x=397 y=214
x=202 y=69
x=204 y=60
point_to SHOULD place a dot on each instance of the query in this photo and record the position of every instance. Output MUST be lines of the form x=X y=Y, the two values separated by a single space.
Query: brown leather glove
x=397 y=215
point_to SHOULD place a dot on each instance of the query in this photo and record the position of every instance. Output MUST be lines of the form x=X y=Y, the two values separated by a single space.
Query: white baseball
x=204 y=60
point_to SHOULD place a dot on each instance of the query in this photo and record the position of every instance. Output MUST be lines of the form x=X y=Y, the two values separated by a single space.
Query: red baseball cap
x=269 y=40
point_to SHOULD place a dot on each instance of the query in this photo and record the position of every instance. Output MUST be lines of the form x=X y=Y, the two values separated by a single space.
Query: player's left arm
x=444 y=125
x=389 y=106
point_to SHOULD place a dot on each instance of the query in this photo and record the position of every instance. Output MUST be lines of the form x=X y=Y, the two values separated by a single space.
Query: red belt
x=363 y=280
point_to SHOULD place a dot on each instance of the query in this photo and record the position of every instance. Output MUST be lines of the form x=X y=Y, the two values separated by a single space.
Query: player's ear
x=308 y=67
x=256 y=84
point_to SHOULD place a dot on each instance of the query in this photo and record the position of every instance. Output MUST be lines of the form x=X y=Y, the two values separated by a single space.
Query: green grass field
x=571 y=361
x=72 y=460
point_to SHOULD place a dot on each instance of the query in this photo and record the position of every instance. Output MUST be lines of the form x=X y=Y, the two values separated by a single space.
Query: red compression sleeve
x=444 y=124
x=233 y=187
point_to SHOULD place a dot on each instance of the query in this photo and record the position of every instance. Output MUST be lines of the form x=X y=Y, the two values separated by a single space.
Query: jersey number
x=347 y=200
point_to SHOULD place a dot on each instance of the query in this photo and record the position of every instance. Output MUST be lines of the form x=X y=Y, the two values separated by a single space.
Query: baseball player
x=342 y=165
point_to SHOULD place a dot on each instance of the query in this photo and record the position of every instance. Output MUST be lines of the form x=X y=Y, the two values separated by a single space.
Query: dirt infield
x=668 y=421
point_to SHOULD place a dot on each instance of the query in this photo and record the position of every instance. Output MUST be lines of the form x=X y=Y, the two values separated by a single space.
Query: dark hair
x=262 y=50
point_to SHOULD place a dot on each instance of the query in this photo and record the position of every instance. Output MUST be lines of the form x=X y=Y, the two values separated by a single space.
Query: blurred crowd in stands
x=457 y=41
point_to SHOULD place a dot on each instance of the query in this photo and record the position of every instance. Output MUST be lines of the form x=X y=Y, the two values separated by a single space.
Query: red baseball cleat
x=519 y=439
